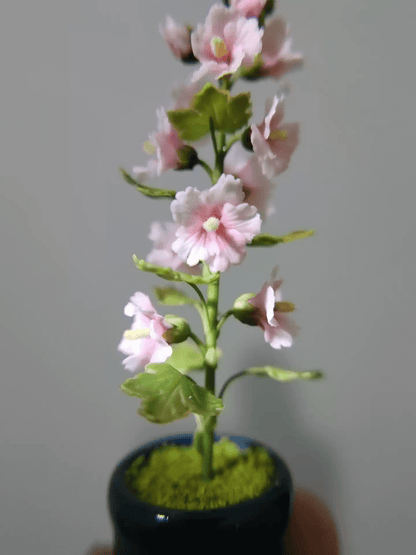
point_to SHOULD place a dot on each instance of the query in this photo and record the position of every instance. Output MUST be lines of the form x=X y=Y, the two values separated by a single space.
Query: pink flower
x=272 y=142
x=215 y=224
x=276 y=54
x=227 y=41
x=249 y=8
x=163 y=235
x=279 y=328
x=257 y=188
x=165 y=143
x=177 y=37
x=144 y=342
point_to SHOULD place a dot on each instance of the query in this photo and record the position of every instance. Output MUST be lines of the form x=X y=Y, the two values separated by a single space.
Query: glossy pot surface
x=256 y=524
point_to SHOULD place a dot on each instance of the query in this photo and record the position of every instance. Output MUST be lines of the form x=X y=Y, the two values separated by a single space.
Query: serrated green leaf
x=267 y=240
x=167 y=395
x=228 y=113
x=172 y=275
x=145 y=189
x=186 y=357
x=170 y=296
x=190 y=124
x=212 y=103
x=282 y=375
x=238 y=113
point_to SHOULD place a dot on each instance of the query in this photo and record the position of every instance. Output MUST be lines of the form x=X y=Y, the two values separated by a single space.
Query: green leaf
x=185 y=357
x=167 y=395
x=238 y=113
x=145 y=189
x=170 y=296
x=267 y=240
x=212 y=103
x=190 y=124
x=172 y=275
x=282 y=375
x=228 y=113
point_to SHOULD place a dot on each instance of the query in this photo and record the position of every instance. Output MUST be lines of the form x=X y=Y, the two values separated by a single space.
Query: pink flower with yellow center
x=225 y=42
x=215 y=225
x=144 y=342
x=274 y=142
x=276 y=53
x=271 y=314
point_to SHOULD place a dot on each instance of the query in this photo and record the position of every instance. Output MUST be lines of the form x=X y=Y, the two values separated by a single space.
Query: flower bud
x=246 y=139
x=178 y=38
x=244 y=311
x=180 y=330
x=189 y=58
x=252 y=73
x=188 y=158
x=269 y=7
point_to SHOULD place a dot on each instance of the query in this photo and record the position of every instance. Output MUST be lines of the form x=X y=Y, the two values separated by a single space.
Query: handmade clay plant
x=211 y=230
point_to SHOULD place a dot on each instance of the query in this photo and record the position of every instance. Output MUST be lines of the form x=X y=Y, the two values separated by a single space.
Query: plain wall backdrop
x=80 y=84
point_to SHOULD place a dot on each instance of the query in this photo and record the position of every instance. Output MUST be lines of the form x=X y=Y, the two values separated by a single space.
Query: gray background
x=80 y=84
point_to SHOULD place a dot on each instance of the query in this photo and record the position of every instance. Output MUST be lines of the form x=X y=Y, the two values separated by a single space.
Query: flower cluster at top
x=211 y=228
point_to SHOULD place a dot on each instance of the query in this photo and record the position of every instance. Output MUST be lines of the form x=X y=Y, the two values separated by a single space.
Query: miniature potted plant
x=217 y=492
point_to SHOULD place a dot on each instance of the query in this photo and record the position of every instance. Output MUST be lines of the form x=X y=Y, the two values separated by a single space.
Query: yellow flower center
x=137 y=334
x=212 y=224
x=149 y=147
x=284 y=306
x=218 y=47
x=278 y=134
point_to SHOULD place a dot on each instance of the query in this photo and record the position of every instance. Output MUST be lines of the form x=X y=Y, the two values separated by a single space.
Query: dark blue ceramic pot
x=255 y=525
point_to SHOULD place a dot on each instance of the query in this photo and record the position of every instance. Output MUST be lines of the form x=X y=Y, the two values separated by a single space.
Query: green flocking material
x=172 y=478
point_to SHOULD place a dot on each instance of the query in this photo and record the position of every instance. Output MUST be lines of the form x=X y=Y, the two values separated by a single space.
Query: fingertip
x=311 y=529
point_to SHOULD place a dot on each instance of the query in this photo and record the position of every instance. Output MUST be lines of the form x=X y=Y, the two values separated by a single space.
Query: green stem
x=230 y=143
x=209 y=423
x=205 y=166
x=205 y=435
x=199 y=293
x=223 y=319
x=227 y=383
x=196 y=340
x=213 y=136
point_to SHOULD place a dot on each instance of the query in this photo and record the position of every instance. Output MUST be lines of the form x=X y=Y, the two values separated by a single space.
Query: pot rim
x=282 y=483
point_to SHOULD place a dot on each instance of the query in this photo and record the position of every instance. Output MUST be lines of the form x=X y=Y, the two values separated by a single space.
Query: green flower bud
x=180 y=330
x=269 y=7
x=252 y=73
x=244 y=311
x=188 y=158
